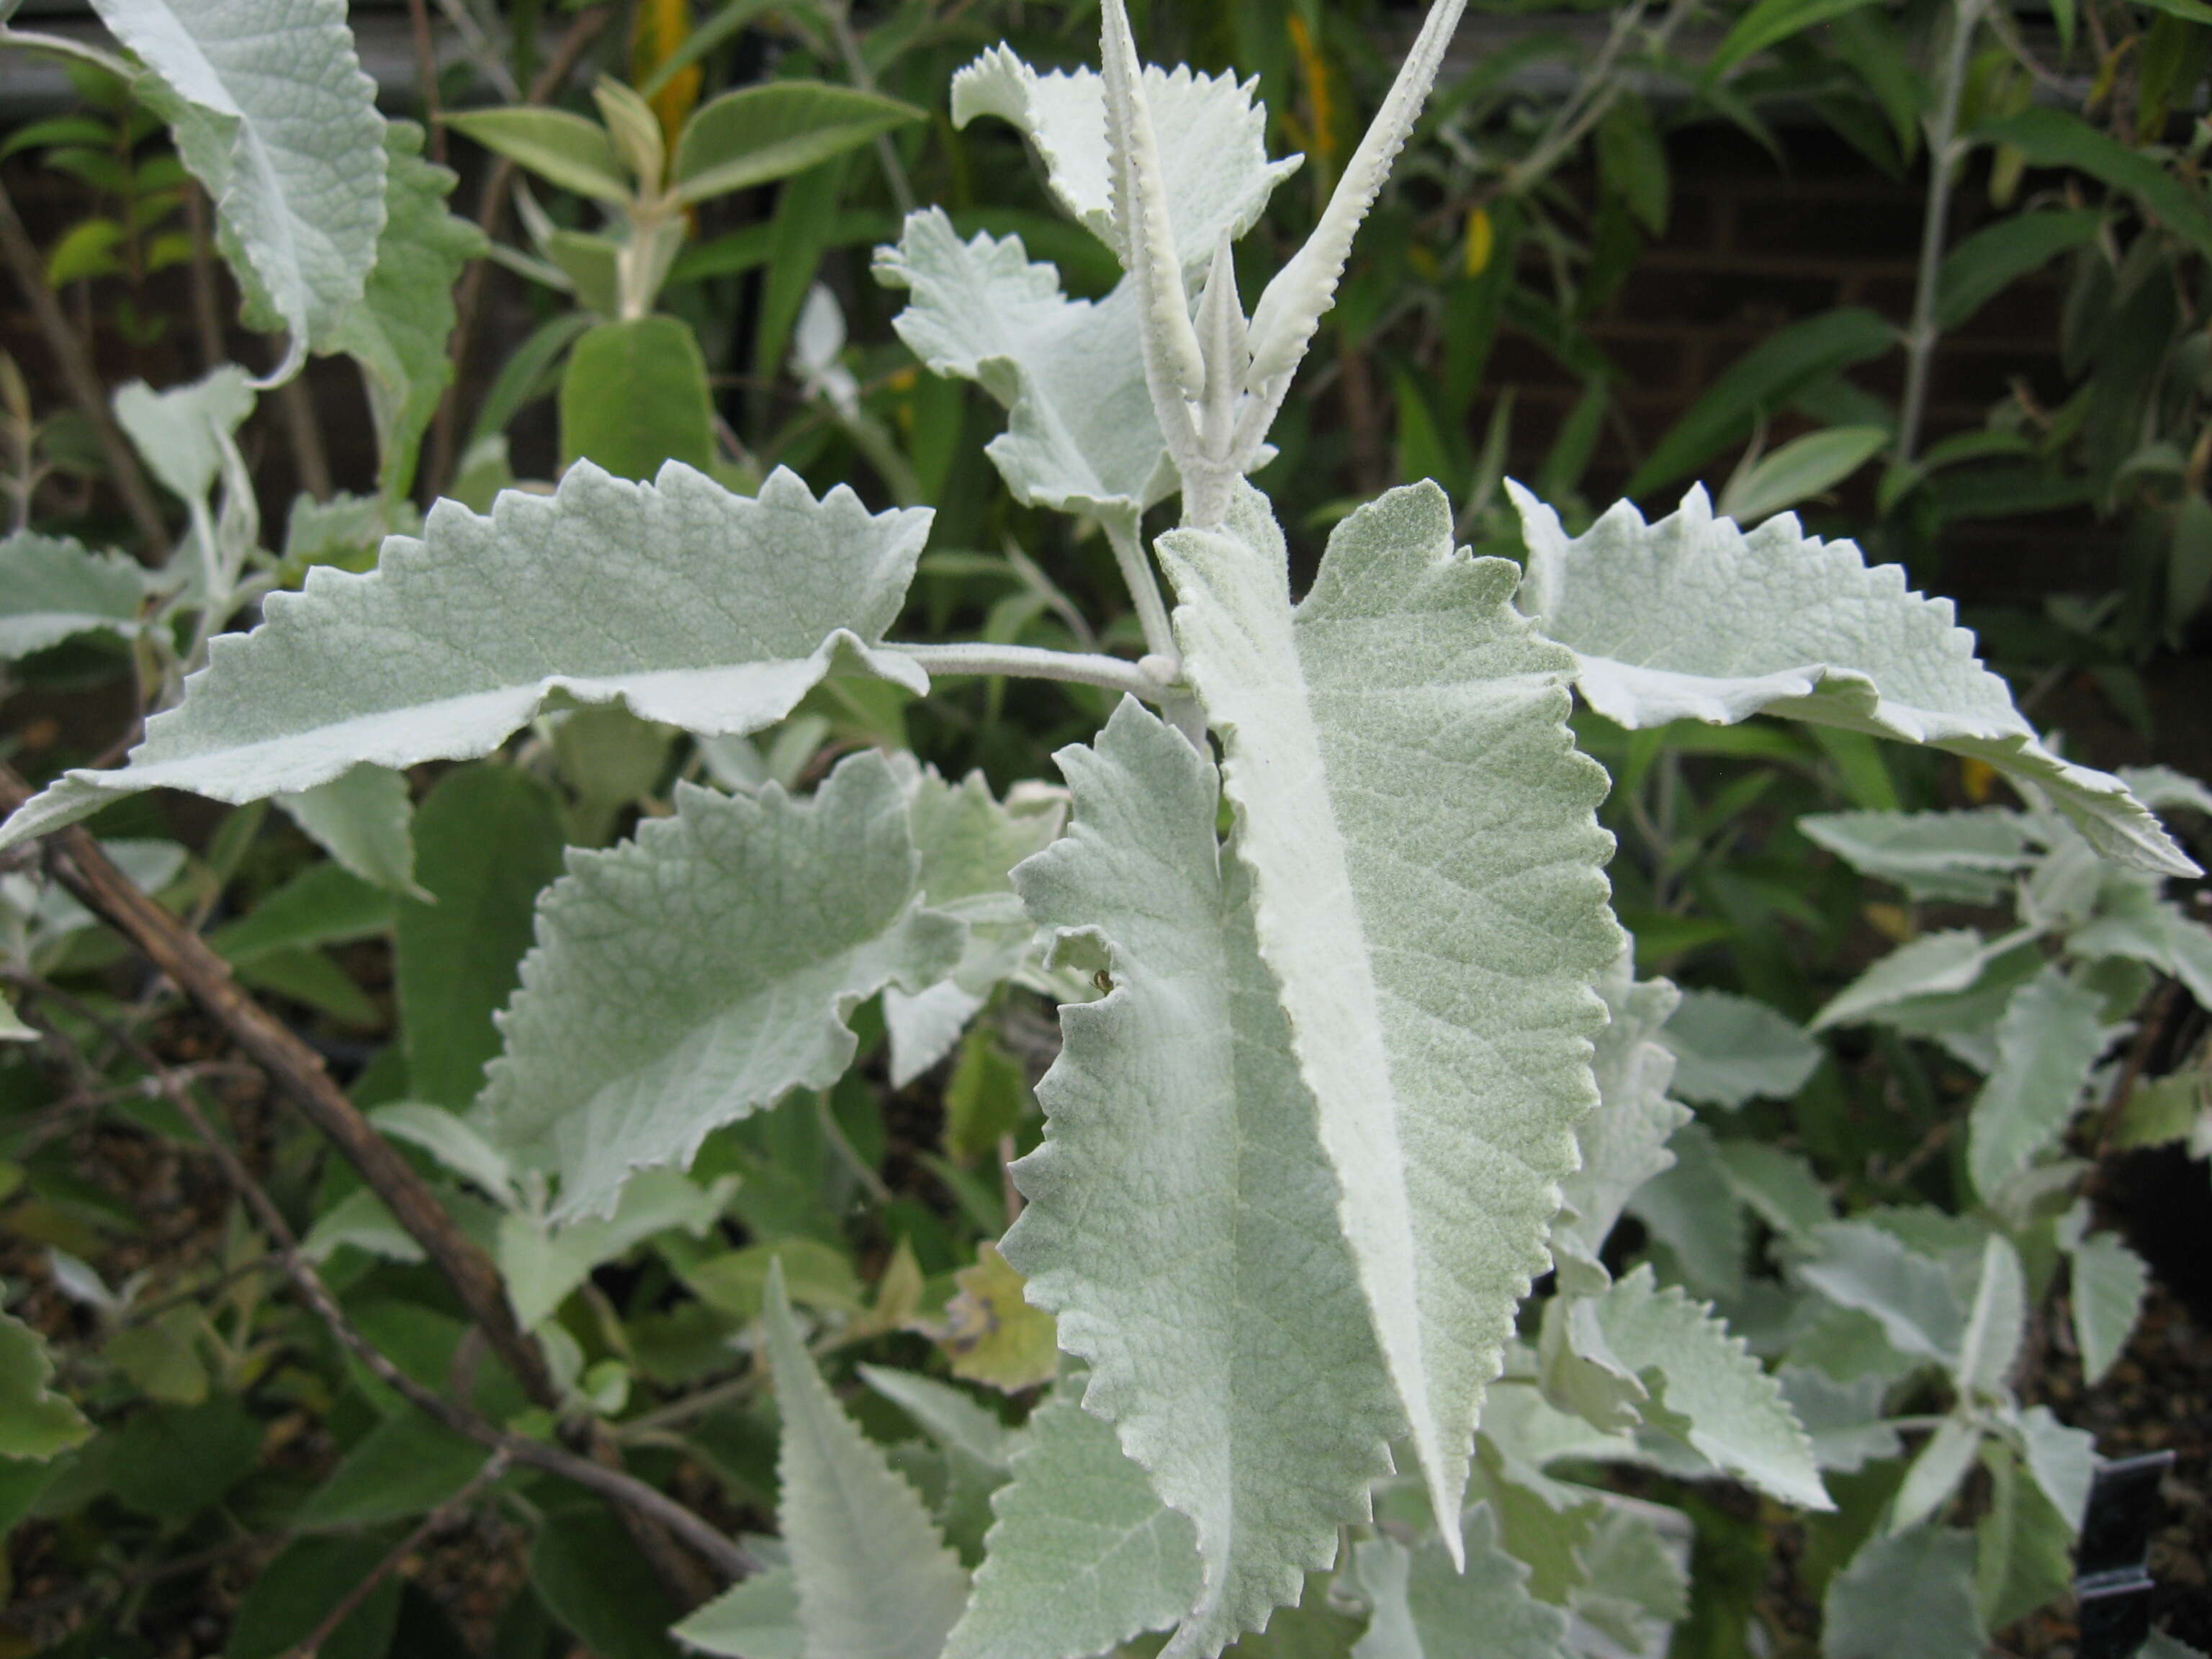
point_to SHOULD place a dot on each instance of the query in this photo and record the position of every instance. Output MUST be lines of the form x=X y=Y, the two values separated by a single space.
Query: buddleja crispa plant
x=1334 y=1089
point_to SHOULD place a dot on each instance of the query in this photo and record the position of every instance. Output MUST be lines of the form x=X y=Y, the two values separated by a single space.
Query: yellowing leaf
x=991 y=1334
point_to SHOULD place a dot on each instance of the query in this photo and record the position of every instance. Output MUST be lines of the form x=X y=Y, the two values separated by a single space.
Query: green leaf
x=758 y=134
x=1428 y=895
x=1427 y=1607
x=756 y=1619
x=2110 y=1281
x=1624 y=1143
x=594 y=1580
x=712 y=612
x=290 y=1597
x=1182 y=1218
x=634 y=397
x=1802 y=467
x=1212 y=144
x=1994 y=258
x=54 y=589
x=272 y=113
x=1966 y=856
x=2053 y=138
x=1762 y=381
x=1814 y=633
x=1707 y=1388
x=706 y=969
x=1081 y=434
x=1081 y=1554
x=488 y=839
x=1933 y=965
x=1728 y=1049
x=2023 y=1548
x=1779 y=1186
x=2047 y=1042
x=1631 y=159
x=402 y=1467
x=454 y=1142
x=362 y=818
x=951 y=1416
x=875 y=1578
x=1690 y=1208
x=561 y=147
x=542 y=1264
x=1770 y=23
x=34 y=1420
x=1904 y=1596
x=818 y=1275
x=1863 y=1266
x=397 y=332
x=172 y=1461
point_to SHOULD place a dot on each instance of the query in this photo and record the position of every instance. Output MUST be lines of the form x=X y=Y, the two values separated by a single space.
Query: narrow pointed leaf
x=1707 y=1387
x=1181 y=1217
x=272 y=113
x=709 y=611
x=563 y=148
x=1933 y=965
x=704 y=970
x=1173 y=364
x=1426 y=1608
x=758 y=134
x=1623 y=1143
x=1289 y=312
x=1936 y=1471
x=1081 y=1554
x=1081 y=434
x=1428 y=894
x=1996 y=1324
x=2110 y=1281
x=53 y=588
x=756 y=1619
x=2062 y=1460
x=1728 y=1049
x=2047 y=1042
x=875 y=1578
x=1812 y=633
x=1212 y=138
x=397 y=332
x=1860 y=1266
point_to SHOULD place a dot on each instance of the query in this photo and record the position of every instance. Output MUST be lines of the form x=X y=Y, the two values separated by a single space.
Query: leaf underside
x=1692 y=617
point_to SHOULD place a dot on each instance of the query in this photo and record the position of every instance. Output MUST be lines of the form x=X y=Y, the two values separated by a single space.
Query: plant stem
x=426 y=77
x=1945 y=151
x=1123 y=534
x=79 y=377
x=1031 y=662
x=863 y=78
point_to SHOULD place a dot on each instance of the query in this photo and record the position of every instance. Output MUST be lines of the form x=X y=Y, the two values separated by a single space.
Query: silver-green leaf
x=54 y=589
x=684 y=980
x=1429 y=895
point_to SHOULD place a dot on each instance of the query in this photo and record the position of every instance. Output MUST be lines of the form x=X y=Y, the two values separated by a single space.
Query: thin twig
x=82 y=381
x=426 y=77
x=207 y=315
x=491 y=210
x=1946 y=149
x=343 y=1608
x=295 y=407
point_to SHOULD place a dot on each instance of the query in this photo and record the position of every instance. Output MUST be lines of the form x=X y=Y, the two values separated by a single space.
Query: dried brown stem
x=80 y=379
x=426 y=77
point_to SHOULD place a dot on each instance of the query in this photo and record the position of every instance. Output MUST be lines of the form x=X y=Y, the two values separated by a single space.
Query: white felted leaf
x=1708 y=1388
x=1996 y=1324
x=1934 y=964
x=2109 y=1283
x=1181 y=1220
x=1780 y=1186
x=876 y=1579
x=1728 y=1049
x=1429 y=896
x=684 y=980
x=1081 y=435
x=1967 y=856
x=1844 y=1420
x=542 y=1264
x=1623 y=1143
x=2062 y=1460
x=755 y=1618
x=1863 y=1266
x=1081 y=1554
x=2133 y=922
x=950 y=1415
x=1904 y=1596
x=53 y=588
x=397 y=332
x=183 y=431
x=1212 y=139
x=1425 y=1608
x=2047 y=1044
x=712 y=612
x=1693 y=618
x=274 y=116
x=363 y=819
x=969 y=843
